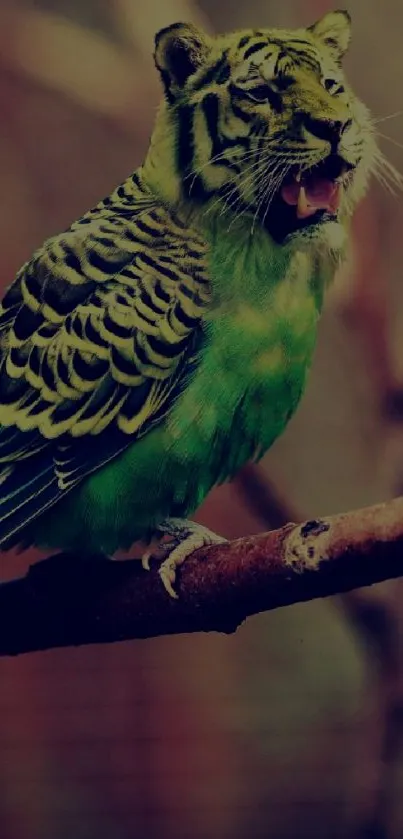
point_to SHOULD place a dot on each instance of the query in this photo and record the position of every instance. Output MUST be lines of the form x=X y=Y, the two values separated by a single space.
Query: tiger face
x=267 y=125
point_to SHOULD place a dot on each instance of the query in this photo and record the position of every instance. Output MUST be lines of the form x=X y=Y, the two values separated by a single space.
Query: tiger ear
x=180 y=49
x=334 y=30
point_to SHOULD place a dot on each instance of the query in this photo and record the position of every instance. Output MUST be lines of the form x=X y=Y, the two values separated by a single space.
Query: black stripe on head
x=166 y=81
x=266 y=93
x=300 y=44
x=260 y=45
x=192 y=184
x=300 y=51
x=211 y=112
x=240 y=114
x=305 y=59
x=229 y=164
x=185 y=147
x=224 y=74
x=260 y=94
x=218 y=72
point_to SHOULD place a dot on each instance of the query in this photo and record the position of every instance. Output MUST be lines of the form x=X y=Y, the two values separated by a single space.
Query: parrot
x=164 y=339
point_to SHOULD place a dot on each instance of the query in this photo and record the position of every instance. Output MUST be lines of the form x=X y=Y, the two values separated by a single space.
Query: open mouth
x=306 y=197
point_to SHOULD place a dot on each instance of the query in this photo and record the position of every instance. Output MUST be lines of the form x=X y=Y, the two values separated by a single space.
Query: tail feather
x=35 y=473
x=27 y=488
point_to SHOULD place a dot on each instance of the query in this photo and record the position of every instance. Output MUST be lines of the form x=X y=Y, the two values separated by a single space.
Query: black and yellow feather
x=96 y=335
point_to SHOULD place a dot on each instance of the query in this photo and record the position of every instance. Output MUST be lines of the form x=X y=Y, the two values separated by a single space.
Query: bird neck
x=247 y=265
x=159 y=170
x=244 y=259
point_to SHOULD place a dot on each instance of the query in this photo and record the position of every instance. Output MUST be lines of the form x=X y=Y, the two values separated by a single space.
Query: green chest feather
x=260 y=338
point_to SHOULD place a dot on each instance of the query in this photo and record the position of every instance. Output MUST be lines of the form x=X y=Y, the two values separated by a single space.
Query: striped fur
x=239 y=121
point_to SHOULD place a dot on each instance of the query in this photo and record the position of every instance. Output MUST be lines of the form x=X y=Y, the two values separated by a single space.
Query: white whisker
x=221 y=155
x=226 y=199
x=383 y=166
x=386 y=174
x=269 y=191
x=389 y=116
x=391 y=140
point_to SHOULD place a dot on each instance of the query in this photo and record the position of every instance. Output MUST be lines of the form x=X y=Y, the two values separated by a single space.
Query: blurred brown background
x=293 y=727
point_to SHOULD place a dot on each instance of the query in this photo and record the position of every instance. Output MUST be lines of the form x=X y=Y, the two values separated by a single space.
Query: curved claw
x=194 y=536
x=145 y=560
x=167 y=573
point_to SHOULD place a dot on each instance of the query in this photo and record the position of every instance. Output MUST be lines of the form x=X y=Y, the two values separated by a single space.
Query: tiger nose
x=326 y=129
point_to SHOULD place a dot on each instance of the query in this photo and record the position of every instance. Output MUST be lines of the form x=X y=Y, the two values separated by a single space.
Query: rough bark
x=67 y=601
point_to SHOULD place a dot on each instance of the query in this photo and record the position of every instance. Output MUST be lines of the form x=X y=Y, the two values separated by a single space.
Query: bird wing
x=98 y=334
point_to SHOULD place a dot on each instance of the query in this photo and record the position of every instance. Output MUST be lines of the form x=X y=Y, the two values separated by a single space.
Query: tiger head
x=264 y=124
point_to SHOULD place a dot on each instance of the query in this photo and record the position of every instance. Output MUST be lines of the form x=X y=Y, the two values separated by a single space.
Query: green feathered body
x=164 y=339
x=249 y=379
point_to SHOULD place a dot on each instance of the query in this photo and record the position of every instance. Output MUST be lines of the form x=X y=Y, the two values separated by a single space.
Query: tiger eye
x=333 y=86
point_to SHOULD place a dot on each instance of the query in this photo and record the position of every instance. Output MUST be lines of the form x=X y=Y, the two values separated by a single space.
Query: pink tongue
x=312 y=195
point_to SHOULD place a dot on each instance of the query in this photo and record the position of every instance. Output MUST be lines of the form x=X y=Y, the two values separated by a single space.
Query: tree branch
x=67 y=601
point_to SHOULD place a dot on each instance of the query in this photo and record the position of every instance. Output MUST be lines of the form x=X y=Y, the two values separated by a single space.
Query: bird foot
x=187 y=536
